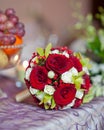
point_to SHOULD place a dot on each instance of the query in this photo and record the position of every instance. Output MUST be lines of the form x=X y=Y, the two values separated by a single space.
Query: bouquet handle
x=21 y=96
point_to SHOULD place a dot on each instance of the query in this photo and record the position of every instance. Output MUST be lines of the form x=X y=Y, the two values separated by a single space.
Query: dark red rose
x=76 y=63
x=27 y=83
x=58 y=63
x=87 y=83
x=64 y=94
x=38 y=77
x=78 y=102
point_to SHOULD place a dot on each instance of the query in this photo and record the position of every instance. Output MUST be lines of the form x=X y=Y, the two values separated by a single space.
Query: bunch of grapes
x=10 y=26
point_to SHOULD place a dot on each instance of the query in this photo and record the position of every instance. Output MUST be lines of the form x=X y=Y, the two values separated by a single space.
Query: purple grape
x=3 y=18
x=5 y=40
x=12 y=30
x=19 y=25
x=10 y=11
x=14 y=19
x=12 y=39
x=20 y=32
x=9 y=24
x=1 y=34
x=2 y=27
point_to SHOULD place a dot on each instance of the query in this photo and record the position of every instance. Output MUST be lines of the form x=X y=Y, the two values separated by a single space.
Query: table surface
x=26 y=116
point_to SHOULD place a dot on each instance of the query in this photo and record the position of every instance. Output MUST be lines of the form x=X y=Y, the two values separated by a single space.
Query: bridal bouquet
x=57 y=78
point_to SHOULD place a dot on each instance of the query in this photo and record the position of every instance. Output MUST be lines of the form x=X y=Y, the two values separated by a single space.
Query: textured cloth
x=26 y=116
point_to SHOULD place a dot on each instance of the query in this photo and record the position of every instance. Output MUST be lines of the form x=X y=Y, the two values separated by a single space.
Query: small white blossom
x=95 y=69
x=55 y=52
x=101 y=67
x=51 y=74
x=96 y=79
x=66 y=54
x=33 y=91
x=79 y=94
x=49 y=89
x=27 y=74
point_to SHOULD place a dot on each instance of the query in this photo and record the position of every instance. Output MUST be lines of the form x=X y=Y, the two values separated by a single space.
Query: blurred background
x=49 y=20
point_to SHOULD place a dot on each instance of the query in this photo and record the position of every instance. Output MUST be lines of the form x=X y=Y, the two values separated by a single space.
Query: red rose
x=38 y=77
x=87 y=83
x=76 y=63
x=78 y=102
x=58 y=63
x=64 y=94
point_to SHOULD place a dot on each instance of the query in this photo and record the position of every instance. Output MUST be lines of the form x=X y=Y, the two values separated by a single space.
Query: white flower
x=66 y=54
x=55 y=52
x=51 y=74
x=49 y=89
x=95 y=68
x=33 y=91
x=74 y=71
x=27 y=74
x=96 y=79
x=79 y=94
x=67 y=76
x=101 y=67
x=85 y=69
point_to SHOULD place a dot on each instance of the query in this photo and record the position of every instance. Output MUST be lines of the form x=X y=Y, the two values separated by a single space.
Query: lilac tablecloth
x=24 y=116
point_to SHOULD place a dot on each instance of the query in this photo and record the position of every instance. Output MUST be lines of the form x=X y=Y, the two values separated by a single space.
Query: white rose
x=51 y=74
x=27 y=74
x=67 y=76
x=79 y=94
x=33 y=91
x=74 y=71
x=49 y=89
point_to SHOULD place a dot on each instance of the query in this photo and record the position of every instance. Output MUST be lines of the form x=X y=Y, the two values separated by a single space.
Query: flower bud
x=51 y=74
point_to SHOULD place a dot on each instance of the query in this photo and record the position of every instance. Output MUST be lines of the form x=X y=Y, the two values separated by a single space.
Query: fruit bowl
x=9 y=56
x=11 y=38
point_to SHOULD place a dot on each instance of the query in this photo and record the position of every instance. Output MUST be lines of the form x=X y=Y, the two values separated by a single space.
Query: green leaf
x=85 y=62
x=39 y=93
x=78 y=55
x=46 y=106
x=78 y=83
x=53 y=104
x=88 y=97
x=47 y=98
x=40 y=51
x=48 y=49
x=94 y=45
x=81 y=73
